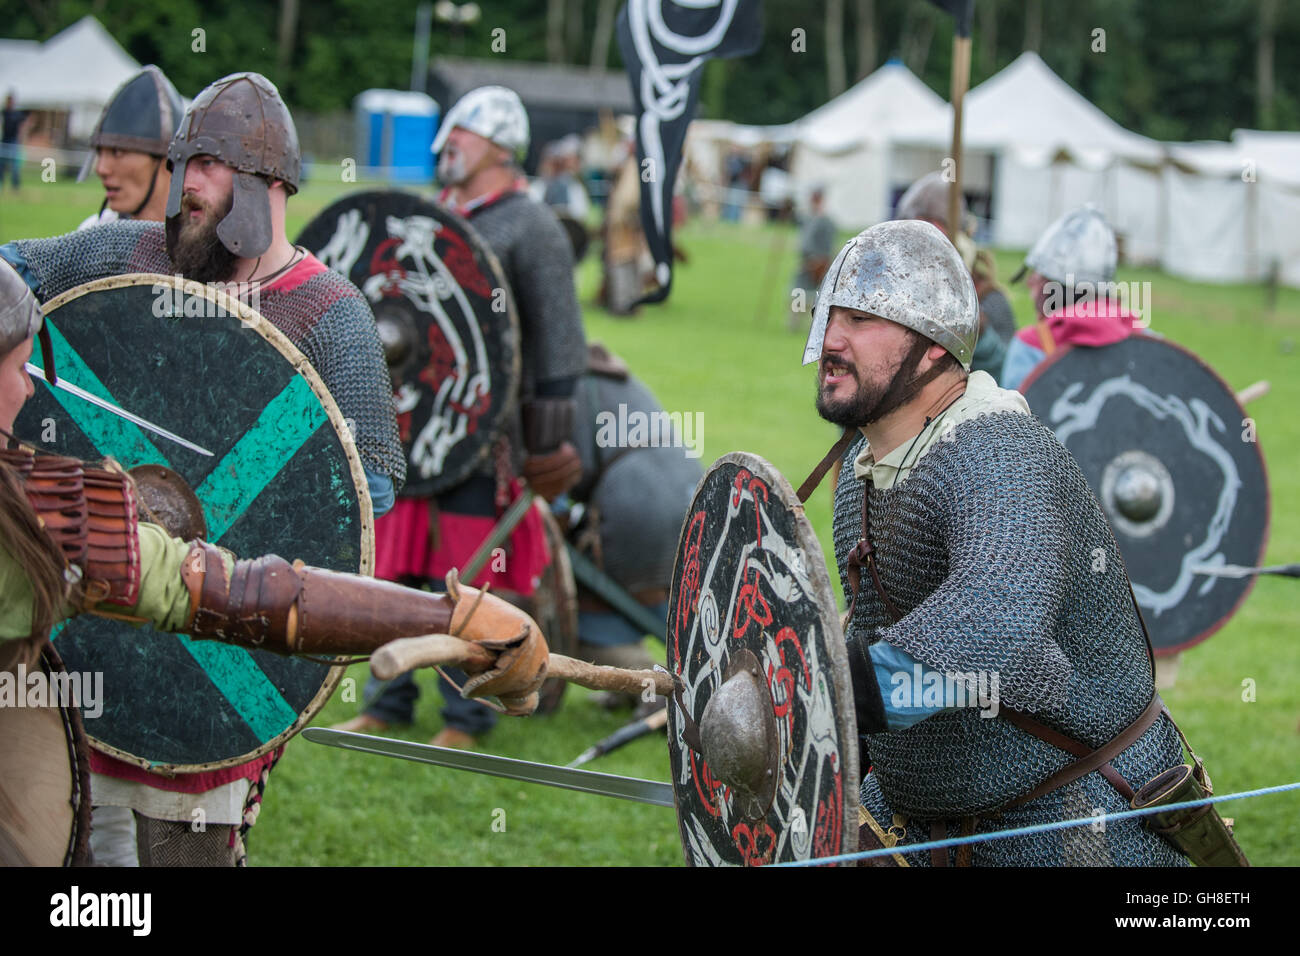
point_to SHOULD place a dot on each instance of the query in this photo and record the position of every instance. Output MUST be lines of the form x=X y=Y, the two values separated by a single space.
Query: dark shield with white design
x=284 y=478
x=446 y=318
x=761 y=737
x=1175 y=462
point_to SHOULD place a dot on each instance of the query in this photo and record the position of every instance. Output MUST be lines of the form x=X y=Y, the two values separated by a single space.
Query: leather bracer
x=273 y=605
x=548 y=423
x=92 y=516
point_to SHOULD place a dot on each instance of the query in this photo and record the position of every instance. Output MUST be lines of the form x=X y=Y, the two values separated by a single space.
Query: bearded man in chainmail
x=987 y=597
x=234 y=164
x=479 y=145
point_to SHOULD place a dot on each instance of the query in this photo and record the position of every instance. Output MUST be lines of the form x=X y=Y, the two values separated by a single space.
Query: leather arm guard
x=548 y=423
x=91 y=514
x=552 y=466
x=270 y=604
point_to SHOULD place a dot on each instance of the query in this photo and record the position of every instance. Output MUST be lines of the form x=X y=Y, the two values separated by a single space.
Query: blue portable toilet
x=395 y=132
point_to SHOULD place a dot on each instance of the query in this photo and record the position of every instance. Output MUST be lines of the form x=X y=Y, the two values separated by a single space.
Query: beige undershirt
x=982 y=397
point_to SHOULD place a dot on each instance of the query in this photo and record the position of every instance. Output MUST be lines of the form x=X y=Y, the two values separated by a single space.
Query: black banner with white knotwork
x=665 y=44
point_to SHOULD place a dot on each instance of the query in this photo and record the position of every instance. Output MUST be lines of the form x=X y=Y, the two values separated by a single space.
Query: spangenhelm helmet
x=240 y=120
x=908 y=272
x=493 y=112
x=143 y=116
x=1078 y=247
x=927 y=198
x=21 y=317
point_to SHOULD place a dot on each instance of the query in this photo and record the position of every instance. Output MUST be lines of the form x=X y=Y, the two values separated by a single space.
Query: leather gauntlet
x=270 y=604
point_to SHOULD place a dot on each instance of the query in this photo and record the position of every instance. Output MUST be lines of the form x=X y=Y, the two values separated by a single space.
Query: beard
x=194 y=247
x=870 y=403
x=451 y=168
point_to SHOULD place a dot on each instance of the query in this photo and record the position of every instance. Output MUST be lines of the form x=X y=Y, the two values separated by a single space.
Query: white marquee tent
x=76 y=70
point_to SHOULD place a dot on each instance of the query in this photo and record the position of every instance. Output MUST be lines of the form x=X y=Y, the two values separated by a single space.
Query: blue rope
x=1038 y=828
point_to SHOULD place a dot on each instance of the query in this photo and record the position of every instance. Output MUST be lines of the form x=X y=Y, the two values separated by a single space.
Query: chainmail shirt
x=1000 y=560
x=326 y=318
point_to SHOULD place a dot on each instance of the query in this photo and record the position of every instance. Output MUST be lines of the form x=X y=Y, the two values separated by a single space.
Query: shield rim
x=1206 y=633
x=250 y=318
x=837 y=646
x=515 y=389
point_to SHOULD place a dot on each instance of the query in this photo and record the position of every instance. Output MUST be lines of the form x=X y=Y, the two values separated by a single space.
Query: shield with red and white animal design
x=762 y=736
x=446 y=318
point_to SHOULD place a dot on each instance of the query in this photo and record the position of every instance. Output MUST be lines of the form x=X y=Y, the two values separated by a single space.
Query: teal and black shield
x=283 y=477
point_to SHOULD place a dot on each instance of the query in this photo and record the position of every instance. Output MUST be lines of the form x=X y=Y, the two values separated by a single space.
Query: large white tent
x=76 y=70
x=847 y=145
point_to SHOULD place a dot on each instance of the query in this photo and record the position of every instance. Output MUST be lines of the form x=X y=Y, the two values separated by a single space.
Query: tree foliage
x=1169 y=69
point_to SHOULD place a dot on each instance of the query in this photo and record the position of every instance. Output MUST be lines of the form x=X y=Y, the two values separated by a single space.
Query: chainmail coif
x=325 y=317
x=996 y=542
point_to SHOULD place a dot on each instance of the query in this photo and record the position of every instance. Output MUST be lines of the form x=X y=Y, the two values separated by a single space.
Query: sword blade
x=584 y=781
x=108 y=406
x=1241 y=571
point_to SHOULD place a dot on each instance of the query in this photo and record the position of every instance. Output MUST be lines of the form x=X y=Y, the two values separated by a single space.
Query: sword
x=108 y=406
x=1241 y=571
x=584 y=781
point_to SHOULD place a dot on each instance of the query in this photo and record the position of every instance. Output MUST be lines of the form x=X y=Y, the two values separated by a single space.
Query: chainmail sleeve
x=538 y=260
x=1009 y=566
x=114 y=248
x=343 y=347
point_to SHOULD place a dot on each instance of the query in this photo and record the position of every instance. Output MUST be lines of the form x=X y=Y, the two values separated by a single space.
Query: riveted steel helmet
x=143 y=115
x=240 y=120
x=908 y=272
x=21 y=317
x=927 y=198
x=1078 y=247
x=493 y=112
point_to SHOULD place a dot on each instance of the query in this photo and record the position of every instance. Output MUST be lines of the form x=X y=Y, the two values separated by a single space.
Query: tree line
x=1164 y=68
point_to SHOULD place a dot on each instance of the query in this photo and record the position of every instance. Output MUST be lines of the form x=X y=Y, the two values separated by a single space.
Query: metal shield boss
x=1175 y=464
x=284 y=477
x=446 y=318
x=761 y=735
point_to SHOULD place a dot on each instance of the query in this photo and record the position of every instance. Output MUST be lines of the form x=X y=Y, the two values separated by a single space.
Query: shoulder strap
x=837 y=450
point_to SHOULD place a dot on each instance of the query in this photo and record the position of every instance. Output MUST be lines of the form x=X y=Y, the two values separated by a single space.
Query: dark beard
x=196 y=251
x=869 y=404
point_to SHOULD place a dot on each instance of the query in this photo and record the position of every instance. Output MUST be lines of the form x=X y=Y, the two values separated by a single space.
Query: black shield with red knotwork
x=762 y=736
x=445 y=316
x=1175 y=463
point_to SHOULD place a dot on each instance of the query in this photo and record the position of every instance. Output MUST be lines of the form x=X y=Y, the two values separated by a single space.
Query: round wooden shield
x=45 y=798
x=762 y=737
x=447 y=320
x=1173 y=459
x=284 y=477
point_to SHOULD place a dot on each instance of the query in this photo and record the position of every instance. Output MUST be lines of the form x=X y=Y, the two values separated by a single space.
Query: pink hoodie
x=1085 y=323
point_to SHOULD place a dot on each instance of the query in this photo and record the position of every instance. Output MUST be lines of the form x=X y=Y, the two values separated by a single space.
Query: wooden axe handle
x=431 y=650
x=1252 y=392
x=600 y=677
x=443 y=650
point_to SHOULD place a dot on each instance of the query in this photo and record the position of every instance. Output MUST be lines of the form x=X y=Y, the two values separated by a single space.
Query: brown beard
x=868 y=404
x=194 y=247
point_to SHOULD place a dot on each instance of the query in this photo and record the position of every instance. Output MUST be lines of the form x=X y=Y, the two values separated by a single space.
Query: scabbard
x=1198 y=832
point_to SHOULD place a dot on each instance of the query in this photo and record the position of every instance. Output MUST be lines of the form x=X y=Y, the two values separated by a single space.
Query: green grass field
x=720 y=346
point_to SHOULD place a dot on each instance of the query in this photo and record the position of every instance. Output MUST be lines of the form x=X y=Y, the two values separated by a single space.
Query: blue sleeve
x=382 y=494
x=11 y=254
x=902 y=679
x=1020 y=361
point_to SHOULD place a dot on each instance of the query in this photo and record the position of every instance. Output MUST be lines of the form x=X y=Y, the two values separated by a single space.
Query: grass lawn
x=721 y=347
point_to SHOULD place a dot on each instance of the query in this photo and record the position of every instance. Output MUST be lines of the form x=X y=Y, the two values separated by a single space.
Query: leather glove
x=518 y=643
x=554 y=473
